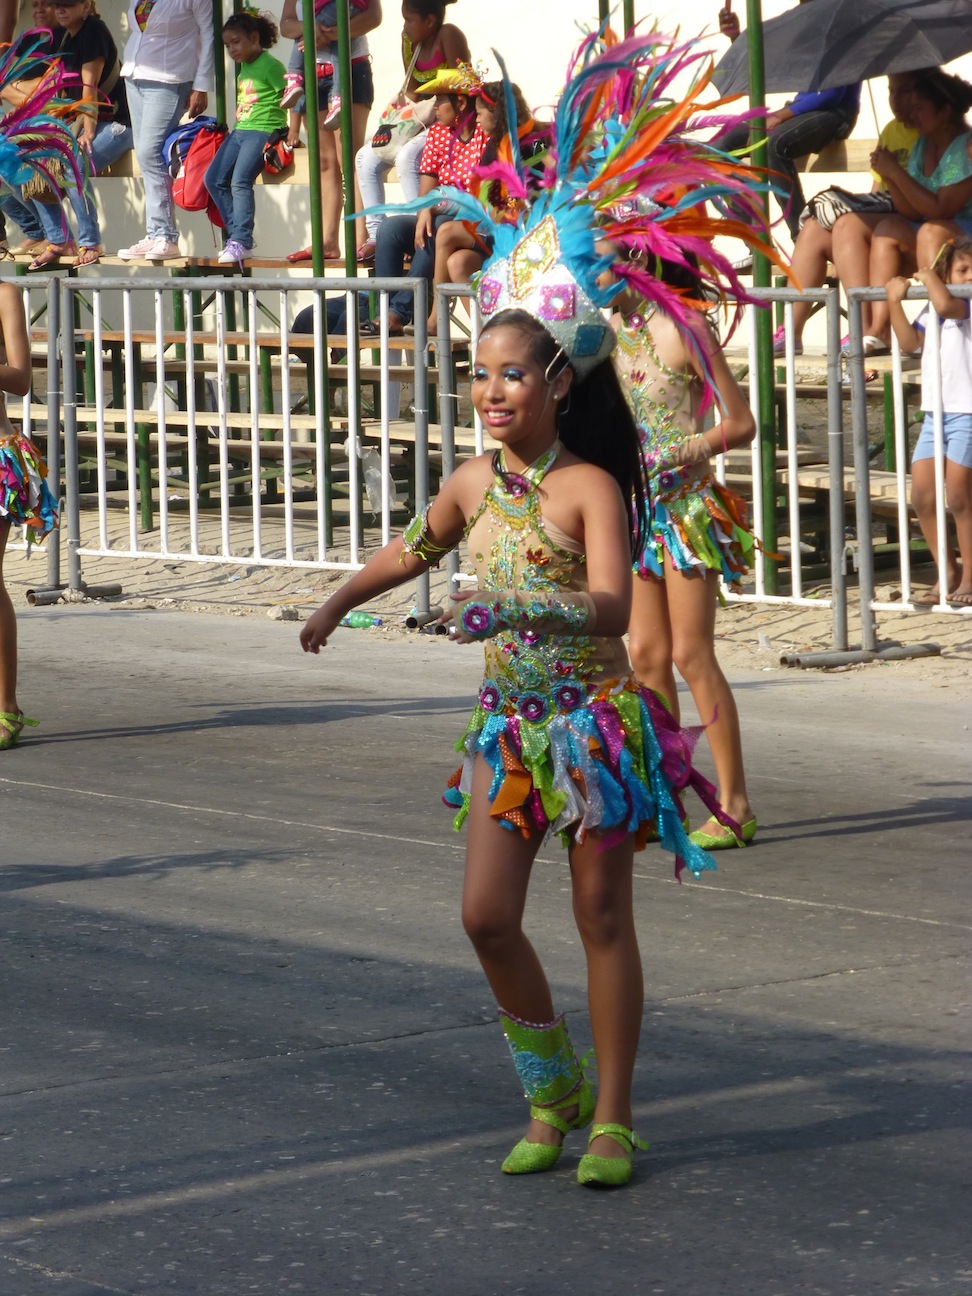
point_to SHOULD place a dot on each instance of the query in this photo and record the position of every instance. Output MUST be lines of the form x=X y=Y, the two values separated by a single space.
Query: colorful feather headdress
x=628 y=172
x=34 y=138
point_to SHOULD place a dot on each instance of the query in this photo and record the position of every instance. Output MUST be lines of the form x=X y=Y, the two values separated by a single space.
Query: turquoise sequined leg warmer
x=552 y=1079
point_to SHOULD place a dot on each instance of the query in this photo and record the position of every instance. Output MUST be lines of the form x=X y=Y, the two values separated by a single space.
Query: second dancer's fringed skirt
x=25 y=498
x=697 y=526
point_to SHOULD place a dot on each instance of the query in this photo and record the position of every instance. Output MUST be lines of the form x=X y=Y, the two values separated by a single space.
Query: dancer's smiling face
x=512 y=394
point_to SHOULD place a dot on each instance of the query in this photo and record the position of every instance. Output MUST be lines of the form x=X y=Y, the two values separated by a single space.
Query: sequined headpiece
x=537 y=277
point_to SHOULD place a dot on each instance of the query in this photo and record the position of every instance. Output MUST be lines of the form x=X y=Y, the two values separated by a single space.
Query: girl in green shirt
x=232 y=173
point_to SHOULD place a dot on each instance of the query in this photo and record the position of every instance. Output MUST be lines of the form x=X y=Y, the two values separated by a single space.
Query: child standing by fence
x=955 y=336
x=232 y=173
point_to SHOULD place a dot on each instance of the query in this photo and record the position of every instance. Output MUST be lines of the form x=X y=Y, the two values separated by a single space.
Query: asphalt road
x=245 y=1047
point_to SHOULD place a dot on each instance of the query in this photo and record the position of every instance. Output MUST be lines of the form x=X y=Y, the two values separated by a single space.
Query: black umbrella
x=828 y=43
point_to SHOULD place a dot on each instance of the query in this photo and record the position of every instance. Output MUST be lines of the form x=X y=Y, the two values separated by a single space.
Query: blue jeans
x=21 y=213
x=396 y=239
x=111 y=140
x=156 y=108
x=230 y=178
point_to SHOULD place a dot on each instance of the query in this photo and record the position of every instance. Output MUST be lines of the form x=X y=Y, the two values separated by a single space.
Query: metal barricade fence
x=199 y=439
x=216 y=443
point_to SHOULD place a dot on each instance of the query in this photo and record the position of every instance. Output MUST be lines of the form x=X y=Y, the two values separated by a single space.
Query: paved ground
x=246 y=1049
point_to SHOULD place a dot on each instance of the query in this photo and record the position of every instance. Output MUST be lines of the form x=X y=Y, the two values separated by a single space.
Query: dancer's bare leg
x=498 y=865
x=692 y=609
x=603 y=909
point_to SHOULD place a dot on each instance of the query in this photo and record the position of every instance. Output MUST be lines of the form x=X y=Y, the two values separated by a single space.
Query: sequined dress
x=575 y=744
x=25 y=498
x=696 y=522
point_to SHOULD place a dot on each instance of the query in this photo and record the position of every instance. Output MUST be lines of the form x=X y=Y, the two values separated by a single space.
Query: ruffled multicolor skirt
x=25 y=498
x=615 y=762
x=696 y=526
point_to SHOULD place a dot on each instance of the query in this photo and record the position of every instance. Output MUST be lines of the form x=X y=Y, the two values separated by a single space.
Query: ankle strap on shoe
x=623 y=1136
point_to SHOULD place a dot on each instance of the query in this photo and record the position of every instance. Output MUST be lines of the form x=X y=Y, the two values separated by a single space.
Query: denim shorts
x=362 y=85
x=957 y=430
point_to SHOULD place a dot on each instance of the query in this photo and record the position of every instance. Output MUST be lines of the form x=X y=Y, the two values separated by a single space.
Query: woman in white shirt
x=168 y=68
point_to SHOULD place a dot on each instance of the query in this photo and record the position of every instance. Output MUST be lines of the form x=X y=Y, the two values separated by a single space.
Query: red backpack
x=189 y=186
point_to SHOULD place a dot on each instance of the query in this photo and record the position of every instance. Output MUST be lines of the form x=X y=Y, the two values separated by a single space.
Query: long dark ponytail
x=596 y=422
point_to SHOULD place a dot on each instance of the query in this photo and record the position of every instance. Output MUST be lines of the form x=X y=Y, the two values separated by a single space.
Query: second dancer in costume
x=698 y=533
x=671 y=366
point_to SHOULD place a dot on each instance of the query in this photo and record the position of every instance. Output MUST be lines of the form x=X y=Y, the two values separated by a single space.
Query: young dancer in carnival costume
x=671 y=364
x=563 y=739
x=31 y=140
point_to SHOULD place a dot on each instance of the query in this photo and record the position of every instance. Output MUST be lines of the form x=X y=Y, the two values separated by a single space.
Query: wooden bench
x=814 y=483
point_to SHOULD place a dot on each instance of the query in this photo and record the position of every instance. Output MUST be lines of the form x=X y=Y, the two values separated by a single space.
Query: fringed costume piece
x=697 y=523
x=574 y=743
x=25 y=497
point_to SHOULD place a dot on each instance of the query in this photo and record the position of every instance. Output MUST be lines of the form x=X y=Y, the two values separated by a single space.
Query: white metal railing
x=205 y=405
x=197 y=436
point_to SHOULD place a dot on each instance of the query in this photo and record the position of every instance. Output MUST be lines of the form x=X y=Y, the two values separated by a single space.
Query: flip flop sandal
x=87 y=256
x=51 y=255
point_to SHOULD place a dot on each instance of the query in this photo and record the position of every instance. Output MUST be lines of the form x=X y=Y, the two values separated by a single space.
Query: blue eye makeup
x=513 y=375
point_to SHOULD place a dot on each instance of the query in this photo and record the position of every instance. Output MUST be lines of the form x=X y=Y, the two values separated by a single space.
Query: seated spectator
x=459 y=249
x=813 y=250
x=807 y=124
x=453 y=149
x=90 y=58
x=932 y=197
x=434 y=45
x=168 y=70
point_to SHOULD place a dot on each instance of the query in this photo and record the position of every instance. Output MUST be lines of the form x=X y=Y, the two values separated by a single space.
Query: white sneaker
x=161 y=249
x=137 y=250
x=234 y=251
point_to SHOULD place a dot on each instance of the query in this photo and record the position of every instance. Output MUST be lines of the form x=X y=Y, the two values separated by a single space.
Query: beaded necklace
x=520 y=484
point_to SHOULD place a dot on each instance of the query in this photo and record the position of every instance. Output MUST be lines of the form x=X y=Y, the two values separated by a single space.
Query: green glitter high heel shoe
x=725 y=839
x=554 y=1081
x=14 y=722
x=610 y=1172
